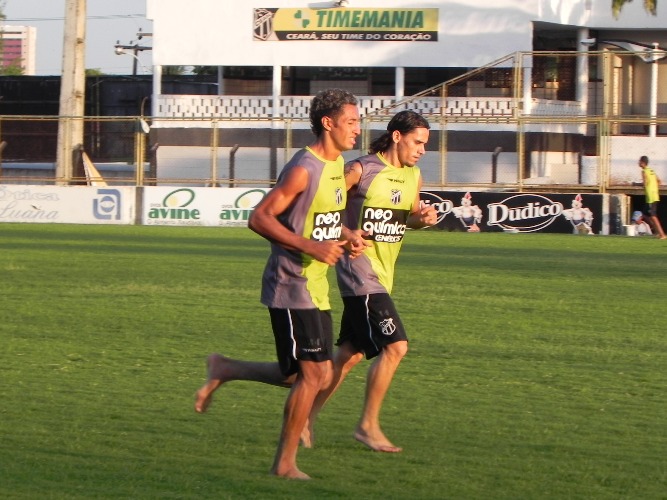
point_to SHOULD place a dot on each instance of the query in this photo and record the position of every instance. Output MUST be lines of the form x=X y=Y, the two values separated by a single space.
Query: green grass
x=537 y=369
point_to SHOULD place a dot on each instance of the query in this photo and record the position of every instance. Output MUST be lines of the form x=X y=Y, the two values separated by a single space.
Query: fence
x=524 y=122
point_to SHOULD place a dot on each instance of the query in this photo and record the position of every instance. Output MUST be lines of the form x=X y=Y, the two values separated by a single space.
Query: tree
x=174 y=70
x=205 y=70
x=12 y=69
x=650 y=6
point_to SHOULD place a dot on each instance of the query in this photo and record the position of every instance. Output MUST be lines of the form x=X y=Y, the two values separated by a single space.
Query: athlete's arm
x=264 y=220
x=352 y=174
x=355 y=243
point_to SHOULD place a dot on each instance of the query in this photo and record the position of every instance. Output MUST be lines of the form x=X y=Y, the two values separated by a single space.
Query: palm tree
x=651 y=6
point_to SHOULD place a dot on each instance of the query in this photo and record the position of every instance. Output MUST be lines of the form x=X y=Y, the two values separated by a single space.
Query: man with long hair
x=383 y=200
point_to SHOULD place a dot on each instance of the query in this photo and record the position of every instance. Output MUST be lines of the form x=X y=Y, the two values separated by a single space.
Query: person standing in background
x=652 y=190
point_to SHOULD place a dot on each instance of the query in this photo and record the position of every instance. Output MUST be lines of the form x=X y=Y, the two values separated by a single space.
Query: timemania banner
x=346 y=24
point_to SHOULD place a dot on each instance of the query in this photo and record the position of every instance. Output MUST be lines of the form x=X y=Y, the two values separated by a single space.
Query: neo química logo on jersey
x=175 y=209
x=327 y=226
x=239 y=213
x=384 y=224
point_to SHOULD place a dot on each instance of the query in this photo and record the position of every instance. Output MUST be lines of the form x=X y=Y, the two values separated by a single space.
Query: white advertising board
x=67 y=204
x=184 y=206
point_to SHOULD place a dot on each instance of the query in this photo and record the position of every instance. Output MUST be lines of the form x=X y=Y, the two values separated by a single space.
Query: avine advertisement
x=182 y=206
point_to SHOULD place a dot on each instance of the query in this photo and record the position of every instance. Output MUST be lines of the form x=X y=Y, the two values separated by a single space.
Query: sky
x=108 y=21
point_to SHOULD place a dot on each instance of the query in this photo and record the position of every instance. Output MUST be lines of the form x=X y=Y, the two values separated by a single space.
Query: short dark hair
x=644 y=159
x=403 y=121
x=329 y=102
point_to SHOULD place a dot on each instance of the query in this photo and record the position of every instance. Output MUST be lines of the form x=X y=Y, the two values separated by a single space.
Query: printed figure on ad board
x=470 y=215
x=580 y=216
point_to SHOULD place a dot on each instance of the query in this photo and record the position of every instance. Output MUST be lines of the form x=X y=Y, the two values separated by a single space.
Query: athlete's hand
x=328 y=251
x=356 y=244
x=427 y=215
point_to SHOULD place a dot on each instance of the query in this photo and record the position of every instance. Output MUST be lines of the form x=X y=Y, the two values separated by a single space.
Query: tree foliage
x=651 y=6
x=14 y=67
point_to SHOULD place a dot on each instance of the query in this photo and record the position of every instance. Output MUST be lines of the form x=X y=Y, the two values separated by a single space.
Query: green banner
x=345 y=24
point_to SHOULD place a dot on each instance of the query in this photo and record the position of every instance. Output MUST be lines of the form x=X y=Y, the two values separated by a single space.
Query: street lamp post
x=135 y=48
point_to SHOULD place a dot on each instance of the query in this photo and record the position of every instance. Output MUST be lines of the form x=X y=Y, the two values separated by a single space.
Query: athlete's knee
x=346 y=359
x=396 y=350
x=316 y=374
x=327 y=379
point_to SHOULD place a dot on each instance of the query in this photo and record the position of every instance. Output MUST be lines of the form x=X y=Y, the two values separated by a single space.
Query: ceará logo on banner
x=524 y=212
x=239 y=213
x=175 y=207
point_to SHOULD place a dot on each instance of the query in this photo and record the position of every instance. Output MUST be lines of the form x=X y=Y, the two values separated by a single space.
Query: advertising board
x=518 y=212
x=186 y=206
x=67 y=204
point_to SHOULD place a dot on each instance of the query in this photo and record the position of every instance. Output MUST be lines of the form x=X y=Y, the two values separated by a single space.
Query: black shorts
x=370 y=322
x=301 y=334
x=651 y=209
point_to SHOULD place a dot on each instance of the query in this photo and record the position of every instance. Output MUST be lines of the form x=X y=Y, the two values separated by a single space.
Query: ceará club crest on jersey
x=339 y=196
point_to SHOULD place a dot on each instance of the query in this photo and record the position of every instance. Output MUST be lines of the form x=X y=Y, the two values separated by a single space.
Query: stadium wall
x=472 y=211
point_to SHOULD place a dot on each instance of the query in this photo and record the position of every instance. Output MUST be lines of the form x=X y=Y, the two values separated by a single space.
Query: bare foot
x=204 y=395
x=291 y=473
x=378 y=442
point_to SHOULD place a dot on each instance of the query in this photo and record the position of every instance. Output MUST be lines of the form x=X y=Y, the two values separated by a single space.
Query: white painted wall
x=625 y=152
x=471 y=33
x=220 y=32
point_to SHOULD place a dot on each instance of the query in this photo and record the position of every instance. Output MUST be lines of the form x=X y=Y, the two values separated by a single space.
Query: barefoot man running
x=302 y=218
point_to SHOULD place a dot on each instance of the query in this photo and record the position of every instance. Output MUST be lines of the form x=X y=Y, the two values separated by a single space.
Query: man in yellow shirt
x=652 y=189
x=383 y=201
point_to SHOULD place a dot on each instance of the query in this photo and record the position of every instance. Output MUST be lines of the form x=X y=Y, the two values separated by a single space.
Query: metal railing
x=498 y=127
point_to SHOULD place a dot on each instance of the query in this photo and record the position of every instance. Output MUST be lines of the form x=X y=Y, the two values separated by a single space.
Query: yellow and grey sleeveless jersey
x=651 y=186
x=380 y=205
x=294 y=280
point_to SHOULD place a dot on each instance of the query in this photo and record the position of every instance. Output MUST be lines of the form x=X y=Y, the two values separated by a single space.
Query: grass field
x=537 y=369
